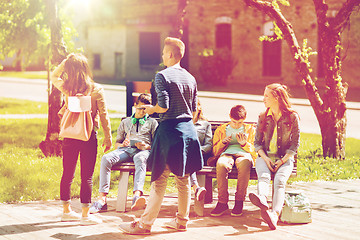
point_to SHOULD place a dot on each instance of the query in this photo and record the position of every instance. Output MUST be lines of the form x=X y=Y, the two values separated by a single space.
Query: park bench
x=205 y=176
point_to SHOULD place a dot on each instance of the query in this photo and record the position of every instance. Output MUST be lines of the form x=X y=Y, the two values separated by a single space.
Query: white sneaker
x=90 y=220
x=71 y=216
x=271 y=218
x=200 y=193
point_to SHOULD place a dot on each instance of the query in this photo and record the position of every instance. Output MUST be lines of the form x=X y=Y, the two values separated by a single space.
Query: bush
x=216 y=66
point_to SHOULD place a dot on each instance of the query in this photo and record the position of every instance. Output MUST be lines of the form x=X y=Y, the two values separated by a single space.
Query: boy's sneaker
x=219 y=210
x=97 y=207
x=134 y=228
x=200 y=193
x=173 y=224
x=271 y=218
x=138 y=203
x=259 y=201
x=71 y=216
x=238 y=209
x=90 y=220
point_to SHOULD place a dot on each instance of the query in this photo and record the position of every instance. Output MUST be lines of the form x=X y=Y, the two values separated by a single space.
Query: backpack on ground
x=297 y=208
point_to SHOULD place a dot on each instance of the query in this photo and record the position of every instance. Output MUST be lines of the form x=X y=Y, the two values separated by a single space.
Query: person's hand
x=107 y=145
x=277 y=164
x=241 y=138
x=149 y=109
x=269 y=163
x=226 y=140
x=141 y=145
x=126 y=142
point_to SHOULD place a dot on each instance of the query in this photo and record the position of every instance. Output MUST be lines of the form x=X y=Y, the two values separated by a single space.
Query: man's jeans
x=224 y=165
x=119 y=156
x=280 y=179
x=156 y=197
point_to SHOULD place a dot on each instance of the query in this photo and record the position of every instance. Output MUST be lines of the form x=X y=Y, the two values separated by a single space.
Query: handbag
x=77 y=122
x=297 y=208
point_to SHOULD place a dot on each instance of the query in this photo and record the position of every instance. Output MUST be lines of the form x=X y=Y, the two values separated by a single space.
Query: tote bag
x=77 y=122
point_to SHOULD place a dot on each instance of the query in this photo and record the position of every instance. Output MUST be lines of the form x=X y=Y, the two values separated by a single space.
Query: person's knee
x=223 y=163
x=140 y=160
x=264 y=177
x=280 y=182
x=105 y=160
x=243 y=164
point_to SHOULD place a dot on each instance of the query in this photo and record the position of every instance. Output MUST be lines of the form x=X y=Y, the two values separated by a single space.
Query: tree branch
x=289 y=35
x=342 y=17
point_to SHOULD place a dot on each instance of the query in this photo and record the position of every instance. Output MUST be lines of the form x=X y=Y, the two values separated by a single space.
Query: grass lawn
x=26 y=74
x=25 y=174
x=17 y=106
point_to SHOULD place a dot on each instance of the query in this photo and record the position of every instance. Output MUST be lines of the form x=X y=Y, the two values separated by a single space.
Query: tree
x=51 y=146
x=24 y=31
x=330 y=108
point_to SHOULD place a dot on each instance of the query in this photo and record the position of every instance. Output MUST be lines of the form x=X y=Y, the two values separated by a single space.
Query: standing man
x=176 y=147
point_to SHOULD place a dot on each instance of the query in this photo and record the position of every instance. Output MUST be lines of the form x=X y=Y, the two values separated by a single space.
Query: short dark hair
x=238 y=112
x=144 y=98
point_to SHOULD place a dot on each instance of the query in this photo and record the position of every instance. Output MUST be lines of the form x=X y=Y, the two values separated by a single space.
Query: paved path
x=336 y=215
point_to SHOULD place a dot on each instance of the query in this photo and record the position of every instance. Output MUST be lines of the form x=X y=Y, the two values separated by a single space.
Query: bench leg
x=199 y=205
x=209 y=190
x=122 y=192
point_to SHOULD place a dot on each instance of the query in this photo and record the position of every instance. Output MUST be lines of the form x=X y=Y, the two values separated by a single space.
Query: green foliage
x=305 y=53
x=16 y=106
x=283 y=2
x=278 y=33
x=24 y=30
x=216 y=65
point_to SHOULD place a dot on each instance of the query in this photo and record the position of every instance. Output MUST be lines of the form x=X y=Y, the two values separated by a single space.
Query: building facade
x=124 y=40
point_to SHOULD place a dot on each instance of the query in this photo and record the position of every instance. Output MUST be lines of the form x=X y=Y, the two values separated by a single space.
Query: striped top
x=177 y=91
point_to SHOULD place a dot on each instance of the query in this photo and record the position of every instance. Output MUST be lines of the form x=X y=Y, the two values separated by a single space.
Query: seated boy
x=133 y=143
x=233 y=143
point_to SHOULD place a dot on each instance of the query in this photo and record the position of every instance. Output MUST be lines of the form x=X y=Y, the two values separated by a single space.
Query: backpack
x=77 y=122
x=296 y=209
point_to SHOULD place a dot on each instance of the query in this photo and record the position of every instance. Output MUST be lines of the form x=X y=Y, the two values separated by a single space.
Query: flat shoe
x=257 y=201
x=138 y=203
x=71 y=216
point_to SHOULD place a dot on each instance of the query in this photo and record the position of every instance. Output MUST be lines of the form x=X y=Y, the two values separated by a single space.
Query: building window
x=97 y=61
x=271 y=53
x=223 y=35
x=149 y=48
x=272 y=58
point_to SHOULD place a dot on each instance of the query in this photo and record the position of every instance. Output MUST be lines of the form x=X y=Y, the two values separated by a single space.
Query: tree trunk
x=332 y=120
x=52 y=146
